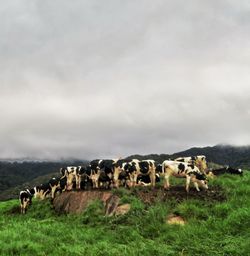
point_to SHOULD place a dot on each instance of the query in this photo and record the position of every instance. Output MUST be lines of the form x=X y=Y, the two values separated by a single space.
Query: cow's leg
x=167 y=174
x=116 y=177
x=135 y=176
x=53 y=190
x=188 y=178
x=166 y=181
x=152 y=178
x=25 y=205
x=196 y=185
x=21 y=208
x=42 y=194
x=77 y=181
x=70 y=181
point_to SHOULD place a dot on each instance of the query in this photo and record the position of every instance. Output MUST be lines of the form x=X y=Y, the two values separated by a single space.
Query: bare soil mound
x=178 y=193
x=77 y=201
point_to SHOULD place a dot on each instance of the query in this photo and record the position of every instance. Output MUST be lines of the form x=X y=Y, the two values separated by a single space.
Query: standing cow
x=144 y=167
x=71 y=173
x=179 y=169
x=121 y=174
x=102 y=172
x=199 y=161
x=25 y=198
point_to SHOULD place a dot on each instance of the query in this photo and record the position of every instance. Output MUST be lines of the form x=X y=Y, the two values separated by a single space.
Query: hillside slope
x=15 y=176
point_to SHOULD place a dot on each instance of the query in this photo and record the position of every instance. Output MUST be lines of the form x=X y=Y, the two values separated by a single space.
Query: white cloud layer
x=89 y=79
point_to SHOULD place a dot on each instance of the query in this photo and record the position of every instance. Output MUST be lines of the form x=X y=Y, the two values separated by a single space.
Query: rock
x=111 y=205
x=122 y=209
x=175 y=219
x=78 y=201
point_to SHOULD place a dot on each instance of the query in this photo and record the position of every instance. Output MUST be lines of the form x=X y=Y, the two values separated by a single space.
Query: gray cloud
x=90 y=79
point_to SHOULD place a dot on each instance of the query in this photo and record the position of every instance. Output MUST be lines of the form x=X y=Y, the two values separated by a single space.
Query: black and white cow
x=228 y=170
x=25 y=198
x=58 y=185
x=199 y=161
x=121 y=172
x=144 y=167
x=95 y=172
x=107 y=169
x=102 y=172
x=42 y=191
x=144 y=180
x=71 y=173
x=85 y=177
x=183 y=169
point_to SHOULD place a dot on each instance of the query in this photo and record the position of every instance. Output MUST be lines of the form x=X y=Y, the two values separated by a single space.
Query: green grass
x=211 y=229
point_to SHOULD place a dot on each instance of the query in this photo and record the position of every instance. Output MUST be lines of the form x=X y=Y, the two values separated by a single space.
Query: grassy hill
x=213 y=228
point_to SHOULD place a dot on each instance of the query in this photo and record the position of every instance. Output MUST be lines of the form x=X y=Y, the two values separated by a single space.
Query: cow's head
x=201 y=180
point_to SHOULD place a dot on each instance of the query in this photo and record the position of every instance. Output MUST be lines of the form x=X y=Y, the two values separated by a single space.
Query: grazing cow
x=25 y=198
x=199 y=161
x=183 y=169
x=228 y=170
x=144 y=167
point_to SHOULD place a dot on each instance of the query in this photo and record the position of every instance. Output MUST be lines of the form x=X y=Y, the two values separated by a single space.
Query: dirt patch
x=178 y=193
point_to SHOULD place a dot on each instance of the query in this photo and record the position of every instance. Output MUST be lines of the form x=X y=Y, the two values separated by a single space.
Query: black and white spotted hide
x=25 y=198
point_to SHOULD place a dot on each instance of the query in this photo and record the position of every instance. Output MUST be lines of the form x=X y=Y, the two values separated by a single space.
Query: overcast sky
x=89 y=79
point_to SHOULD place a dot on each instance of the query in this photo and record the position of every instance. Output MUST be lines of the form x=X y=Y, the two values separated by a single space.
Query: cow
x=95 y=172
x=102 y=172
x=183 y=169
x=25 y=198
x=42 y=191
x=85 y=178
x=228 y=170
x=71 y=173
x=107 y=169
x=144 y=167
x=121 y=174
x=144 y=180
x=199 y=161
x=58 y=185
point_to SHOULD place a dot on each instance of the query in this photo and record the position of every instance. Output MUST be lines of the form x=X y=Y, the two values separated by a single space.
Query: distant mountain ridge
x=235 y=156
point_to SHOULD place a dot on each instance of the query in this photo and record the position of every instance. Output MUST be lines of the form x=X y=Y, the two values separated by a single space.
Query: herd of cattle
x=121 y=172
